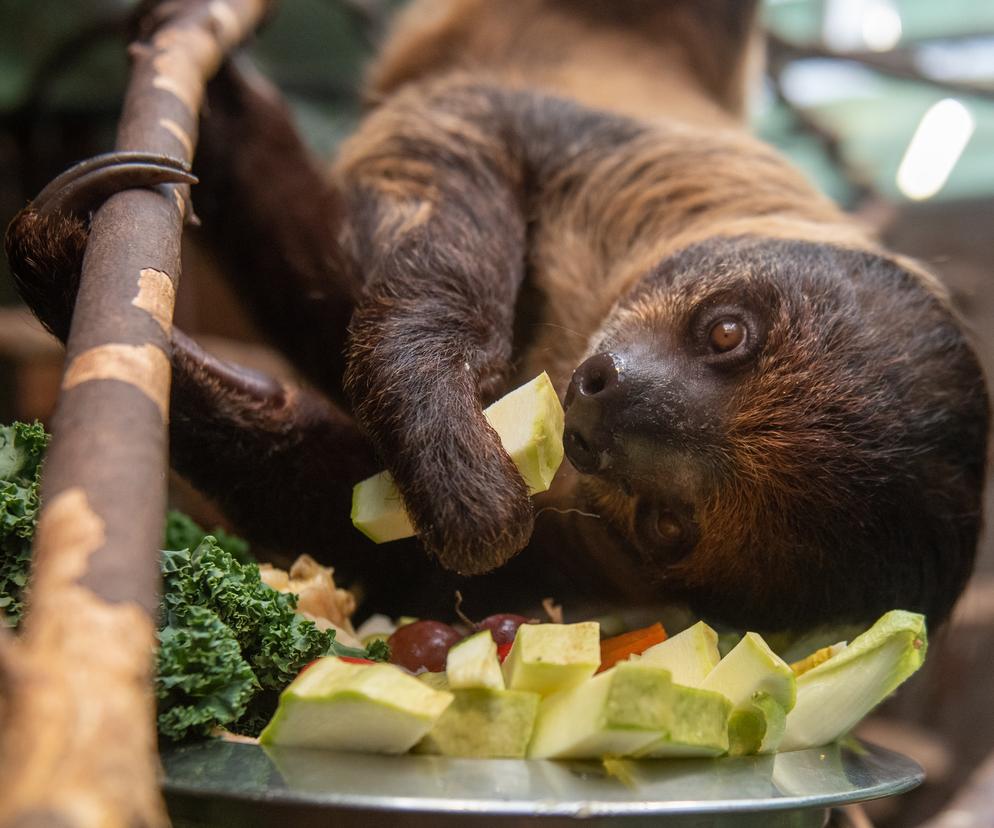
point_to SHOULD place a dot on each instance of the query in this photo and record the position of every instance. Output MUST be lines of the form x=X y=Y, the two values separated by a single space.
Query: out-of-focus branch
x=78 y=737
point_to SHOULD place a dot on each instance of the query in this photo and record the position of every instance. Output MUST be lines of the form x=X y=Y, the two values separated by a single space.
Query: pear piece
x=484 y=723
x=473 y=662
x=835 y=695
x=372 y=708
x=689 y=655
x=545 y=658
x=529 y=422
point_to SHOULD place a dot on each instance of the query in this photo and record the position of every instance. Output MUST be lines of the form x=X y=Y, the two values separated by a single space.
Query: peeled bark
x=78 y=730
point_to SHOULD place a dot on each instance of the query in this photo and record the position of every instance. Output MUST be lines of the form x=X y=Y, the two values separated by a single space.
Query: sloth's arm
x=273 y=218
x=436 y=208
x=280 y=461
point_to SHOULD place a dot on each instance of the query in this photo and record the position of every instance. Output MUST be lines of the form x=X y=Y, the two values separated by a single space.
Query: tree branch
x=79 y=743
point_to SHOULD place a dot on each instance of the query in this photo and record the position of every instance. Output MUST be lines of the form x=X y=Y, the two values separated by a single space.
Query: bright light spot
x=934 y=150
x=881 y=27
x=854 y=25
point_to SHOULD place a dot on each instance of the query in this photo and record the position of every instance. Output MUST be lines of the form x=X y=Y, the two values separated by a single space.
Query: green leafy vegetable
x=22 y=447
x=228 y=644
x=182 y=532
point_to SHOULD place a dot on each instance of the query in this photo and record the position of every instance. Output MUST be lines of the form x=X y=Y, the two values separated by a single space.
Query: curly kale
x=22 y=447
x=182 y=532
x=228 y=644
x=202 y=678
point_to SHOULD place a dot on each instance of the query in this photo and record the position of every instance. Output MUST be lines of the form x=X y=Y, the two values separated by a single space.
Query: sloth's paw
x=469 y=502
x=46 y=240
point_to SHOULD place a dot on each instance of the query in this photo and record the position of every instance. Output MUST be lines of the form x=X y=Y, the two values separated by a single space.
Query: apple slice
x=529 y=422
x=372 y=708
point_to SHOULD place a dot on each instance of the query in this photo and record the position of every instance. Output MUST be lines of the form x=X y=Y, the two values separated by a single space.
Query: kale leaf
x=269 y=638
x=182 y=532
x=22 y=447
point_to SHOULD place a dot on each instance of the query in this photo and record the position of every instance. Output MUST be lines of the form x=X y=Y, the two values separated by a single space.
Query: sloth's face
x=784 y=430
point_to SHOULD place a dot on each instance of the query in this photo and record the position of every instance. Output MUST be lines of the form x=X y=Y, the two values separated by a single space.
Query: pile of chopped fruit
x=515 y=688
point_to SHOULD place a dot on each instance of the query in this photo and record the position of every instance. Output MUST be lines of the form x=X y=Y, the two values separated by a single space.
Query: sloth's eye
x=668 y=527
x=726 y=335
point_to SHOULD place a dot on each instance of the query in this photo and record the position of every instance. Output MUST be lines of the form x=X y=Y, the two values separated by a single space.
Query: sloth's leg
x=274 y=219
x=279 y=461
x=263 y=451
x=436 y=208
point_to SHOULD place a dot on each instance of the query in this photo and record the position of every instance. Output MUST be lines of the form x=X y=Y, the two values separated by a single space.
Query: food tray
x=224 y=783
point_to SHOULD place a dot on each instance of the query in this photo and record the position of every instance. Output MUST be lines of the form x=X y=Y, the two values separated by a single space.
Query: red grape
x=422 y=644
x=503 y=626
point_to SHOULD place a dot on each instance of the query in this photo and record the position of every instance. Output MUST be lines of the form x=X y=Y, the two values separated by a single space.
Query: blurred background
x=888 y=105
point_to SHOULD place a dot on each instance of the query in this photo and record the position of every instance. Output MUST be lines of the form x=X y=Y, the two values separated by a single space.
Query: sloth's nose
x=596 y=388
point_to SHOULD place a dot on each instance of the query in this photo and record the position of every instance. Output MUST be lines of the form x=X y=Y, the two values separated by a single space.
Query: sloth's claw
x=46 y=240
x=86 y=185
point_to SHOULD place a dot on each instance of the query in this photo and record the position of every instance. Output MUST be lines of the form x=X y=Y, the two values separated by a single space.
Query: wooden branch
x=897 y=64
x=79 y=744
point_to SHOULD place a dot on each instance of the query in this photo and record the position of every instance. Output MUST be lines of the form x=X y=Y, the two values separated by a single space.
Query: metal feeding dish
x=225 y=783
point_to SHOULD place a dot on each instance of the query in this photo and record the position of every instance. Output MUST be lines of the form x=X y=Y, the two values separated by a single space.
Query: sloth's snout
x=595 y=390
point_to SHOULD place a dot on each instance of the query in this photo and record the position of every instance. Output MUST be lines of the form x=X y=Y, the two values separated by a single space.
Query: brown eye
x=726 y=334
x=669 y=527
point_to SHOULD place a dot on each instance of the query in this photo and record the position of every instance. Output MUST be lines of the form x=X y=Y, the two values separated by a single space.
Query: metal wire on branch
x=78 y=732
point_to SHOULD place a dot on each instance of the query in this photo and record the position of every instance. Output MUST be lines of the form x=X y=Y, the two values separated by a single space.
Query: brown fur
x=539 y=181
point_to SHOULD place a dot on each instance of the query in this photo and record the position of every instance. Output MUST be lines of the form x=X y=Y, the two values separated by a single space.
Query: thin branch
x=79 y=746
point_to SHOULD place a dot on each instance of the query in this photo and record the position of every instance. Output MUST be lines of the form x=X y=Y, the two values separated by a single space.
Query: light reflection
x=935 y=148
x=855 y=25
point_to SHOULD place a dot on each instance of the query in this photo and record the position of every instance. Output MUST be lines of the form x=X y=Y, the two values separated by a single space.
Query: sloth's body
x=770 y=416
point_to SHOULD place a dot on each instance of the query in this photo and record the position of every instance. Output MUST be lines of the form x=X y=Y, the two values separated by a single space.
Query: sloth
x=769 y=416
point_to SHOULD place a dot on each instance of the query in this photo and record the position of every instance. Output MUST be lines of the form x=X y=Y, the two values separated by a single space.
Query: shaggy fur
x=537 y=182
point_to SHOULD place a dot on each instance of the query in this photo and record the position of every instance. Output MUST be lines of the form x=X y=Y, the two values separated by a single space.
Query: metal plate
x=224 y=783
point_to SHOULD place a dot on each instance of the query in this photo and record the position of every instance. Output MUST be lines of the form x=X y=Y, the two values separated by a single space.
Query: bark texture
x=78 y=746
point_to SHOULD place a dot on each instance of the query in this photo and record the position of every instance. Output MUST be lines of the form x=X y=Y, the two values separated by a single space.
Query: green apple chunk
x=689 y=656
x=546 y=658
x=529 y=422
x=372 y=708
x=484 y=723
x=473 y=662
x=756 y=725
x=633 y=709
x=835 y=695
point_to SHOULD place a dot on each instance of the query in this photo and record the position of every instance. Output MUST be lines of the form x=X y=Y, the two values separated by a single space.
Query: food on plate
x=632 y=709
x=484 y=723
x=529 y=422
x=835 y=695
x=689 y=655
x=545 y=658
x=374 y=708
x=760 y=685
x=623 y=646
x=422 y=645
x=473 y=663
x=319 y=599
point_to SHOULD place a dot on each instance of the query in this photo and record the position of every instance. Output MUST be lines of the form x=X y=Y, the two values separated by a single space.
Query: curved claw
x=84 y=186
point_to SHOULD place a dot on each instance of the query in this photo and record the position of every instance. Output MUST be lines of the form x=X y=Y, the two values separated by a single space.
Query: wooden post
x=78 y=729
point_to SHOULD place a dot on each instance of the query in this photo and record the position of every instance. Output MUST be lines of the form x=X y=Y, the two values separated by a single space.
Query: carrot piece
x=620 y=647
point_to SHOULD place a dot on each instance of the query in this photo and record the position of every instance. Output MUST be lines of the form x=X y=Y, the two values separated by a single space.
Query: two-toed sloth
x=769 y=416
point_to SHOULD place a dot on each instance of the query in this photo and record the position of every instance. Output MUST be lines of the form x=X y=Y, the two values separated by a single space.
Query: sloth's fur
x=536 y=182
